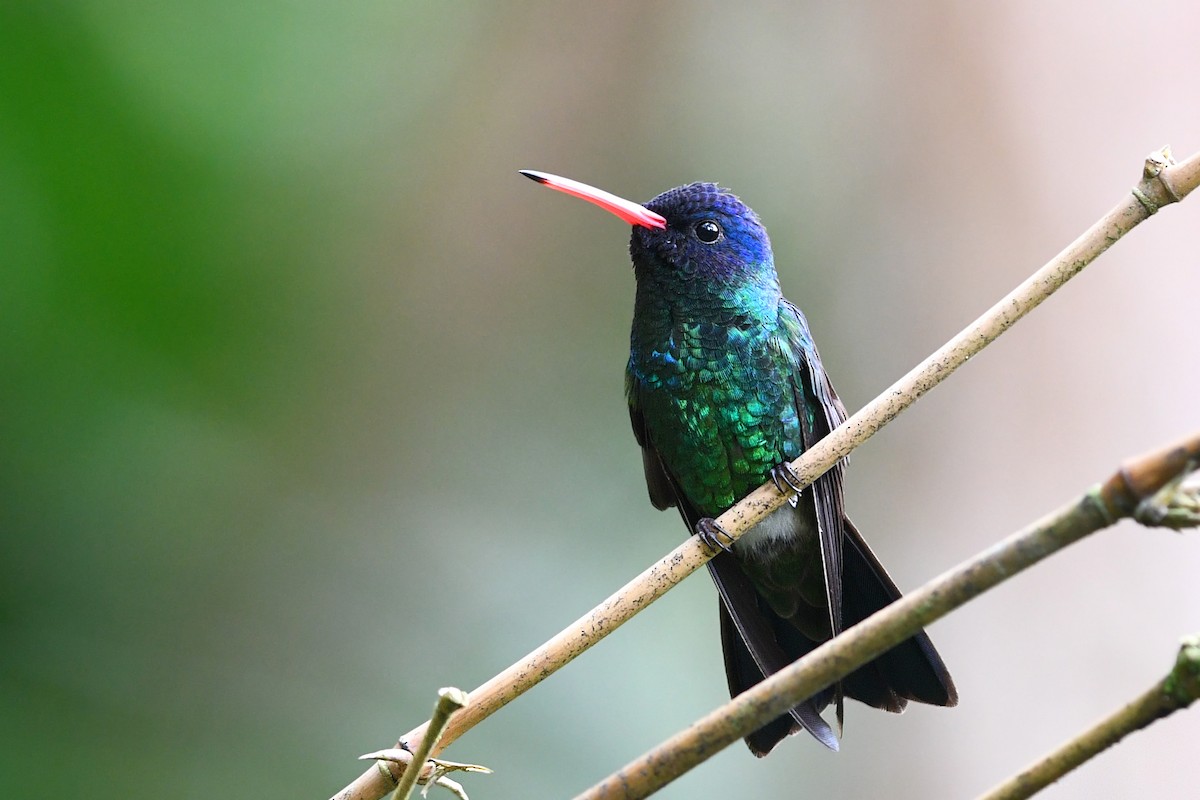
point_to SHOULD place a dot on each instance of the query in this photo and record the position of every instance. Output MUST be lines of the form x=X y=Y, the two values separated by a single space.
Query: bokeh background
x=284 y=333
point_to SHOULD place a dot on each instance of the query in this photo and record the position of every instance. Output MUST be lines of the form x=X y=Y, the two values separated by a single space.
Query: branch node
x=385 y=771
x=1176 y=505
x=1158 y=161
x=1183 y=684
x=1168 y=188
x=1143 y=198
x=1155 y=169
x=1095 y=498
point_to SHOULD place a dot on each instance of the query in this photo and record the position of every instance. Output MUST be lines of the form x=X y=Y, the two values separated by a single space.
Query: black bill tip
x=534 y=175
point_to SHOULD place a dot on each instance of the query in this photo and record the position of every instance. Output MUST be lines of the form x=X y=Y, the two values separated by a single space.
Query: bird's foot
x=713 y=535
x=787 y=481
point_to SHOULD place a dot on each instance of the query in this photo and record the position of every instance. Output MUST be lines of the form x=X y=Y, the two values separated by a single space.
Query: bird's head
x=709 y=235
x=694 y=233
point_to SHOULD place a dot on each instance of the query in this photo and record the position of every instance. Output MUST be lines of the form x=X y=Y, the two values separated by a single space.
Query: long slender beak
x=631 y=212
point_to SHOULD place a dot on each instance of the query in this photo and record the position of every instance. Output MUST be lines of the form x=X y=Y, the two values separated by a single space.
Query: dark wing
x=662 y=492
x=820 y=412
x=860 y=585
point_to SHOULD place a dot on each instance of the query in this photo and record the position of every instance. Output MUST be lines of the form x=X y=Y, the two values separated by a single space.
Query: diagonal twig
x=1179 y=689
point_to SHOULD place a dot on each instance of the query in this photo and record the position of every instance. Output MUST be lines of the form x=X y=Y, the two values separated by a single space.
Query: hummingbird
x=725 y=387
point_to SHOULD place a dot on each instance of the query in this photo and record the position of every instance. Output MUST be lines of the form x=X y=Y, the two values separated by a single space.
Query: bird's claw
x=713 y=535
x=787 y=481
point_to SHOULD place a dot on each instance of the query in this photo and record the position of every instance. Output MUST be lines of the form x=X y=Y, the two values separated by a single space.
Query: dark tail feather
x=742 y=673
x=758 y=642
x=753 y=647
x=912 y=670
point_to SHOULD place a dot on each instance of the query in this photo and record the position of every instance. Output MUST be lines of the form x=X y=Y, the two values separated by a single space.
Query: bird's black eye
x=707 y=231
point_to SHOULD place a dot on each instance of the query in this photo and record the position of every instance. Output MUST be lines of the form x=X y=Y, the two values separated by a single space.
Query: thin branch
x=449 y=701
x=1179 y=689
x=1161 y=185
x=1101 y=506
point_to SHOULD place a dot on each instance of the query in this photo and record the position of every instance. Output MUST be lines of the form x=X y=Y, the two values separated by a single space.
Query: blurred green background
x=282 y=327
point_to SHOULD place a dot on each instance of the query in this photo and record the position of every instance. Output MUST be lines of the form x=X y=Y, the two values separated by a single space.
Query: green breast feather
x=719 y=406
